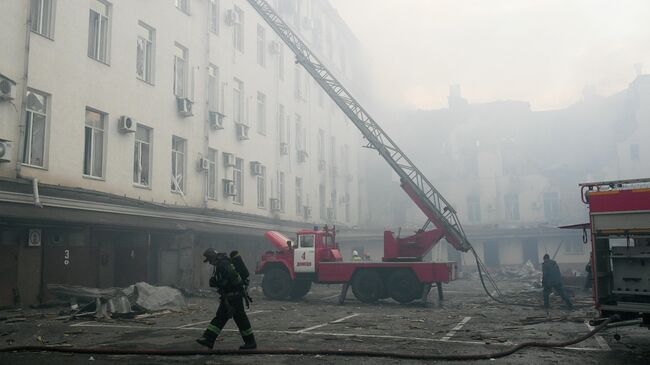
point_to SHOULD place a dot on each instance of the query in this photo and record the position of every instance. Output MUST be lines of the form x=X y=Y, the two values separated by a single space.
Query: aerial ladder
x=437 y=209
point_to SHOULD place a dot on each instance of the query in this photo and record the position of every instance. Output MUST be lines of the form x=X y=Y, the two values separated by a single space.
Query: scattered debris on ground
x=137 y=301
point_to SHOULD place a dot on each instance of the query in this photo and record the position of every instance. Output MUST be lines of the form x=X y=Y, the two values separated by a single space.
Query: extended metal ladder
x=427 y=198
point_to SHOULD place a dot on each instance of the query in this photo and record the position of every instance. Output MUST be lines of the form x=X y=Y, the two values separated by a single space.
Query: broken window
x=94 y=143
x=36 y=119
x=142 y=156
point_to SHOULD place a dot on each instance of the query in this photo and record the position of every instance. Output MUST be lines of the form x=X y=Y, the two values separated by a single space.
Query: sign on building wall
x=34 y=238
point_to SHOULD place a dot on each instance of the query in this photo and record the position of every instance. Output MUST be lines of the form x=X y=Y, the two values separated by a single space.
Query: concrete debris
x=120 y=303
x=156 y=298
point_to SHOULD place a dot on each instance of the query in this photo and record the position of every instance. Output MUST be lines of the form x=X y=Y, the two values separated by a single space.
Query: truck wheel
x=276 y=284
x=367 y=286
x=299 y=288
x=404 y=286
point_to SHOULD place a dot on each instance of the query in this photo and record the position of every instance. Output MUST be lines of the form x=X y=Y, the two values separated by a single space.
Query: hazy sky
x=545 y=52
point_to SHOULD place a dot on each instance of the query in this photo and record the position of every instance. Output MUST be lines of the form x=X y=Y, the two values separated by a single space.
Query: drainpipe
x=22 y=123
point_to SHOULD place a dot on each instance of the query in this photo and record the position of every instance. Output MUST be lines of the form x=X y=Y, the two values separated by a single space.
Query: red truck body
x=619 y=215
x=314 y=256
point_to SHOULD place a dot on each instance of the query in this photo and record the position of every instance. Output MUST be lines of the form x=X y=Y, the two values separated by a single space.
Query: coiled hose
x=290 y=351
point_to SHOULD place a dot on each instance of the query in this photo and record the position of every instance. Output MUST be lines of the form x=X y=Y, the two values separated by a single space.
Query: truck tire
x=367 y=286
x=404 y=286
x=299 y=288
x=276 y=284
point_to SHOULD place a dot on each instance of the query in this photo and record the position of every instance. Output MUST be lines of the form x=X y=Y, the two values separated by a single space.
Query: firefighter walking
x=227 y=278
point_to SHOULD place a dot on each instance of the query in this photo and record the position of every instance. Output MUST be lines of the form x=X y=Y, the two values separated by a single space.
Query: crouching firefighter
x=227 y=278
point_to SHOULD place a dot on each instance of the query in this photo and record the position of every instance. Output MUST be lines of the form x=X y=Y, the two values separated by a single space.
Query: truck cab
x=290 y=270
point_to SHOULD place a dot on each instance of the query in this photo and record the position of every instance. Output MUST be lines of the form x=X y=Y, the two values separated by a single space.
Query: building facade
x=138 y=133
x=512 y=173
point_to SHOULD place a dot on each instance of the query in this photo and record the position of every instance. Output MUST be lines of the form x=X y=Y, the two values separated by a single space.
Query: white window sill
x=150 y=83
x=50 y=38
x=140 y=186
x=34 y=166
x=100 y=61
x=90 y=177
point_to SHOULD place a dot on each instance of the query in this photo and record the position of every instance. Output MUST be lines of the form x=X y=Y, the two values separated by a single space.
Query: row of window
x=95 y=127
x=99 y=36
x=551 y=203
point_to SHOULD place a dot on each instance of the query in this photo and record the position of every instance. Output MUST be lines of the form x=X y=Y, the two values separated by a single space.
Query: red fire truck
x=619 y=215
x=314 y=255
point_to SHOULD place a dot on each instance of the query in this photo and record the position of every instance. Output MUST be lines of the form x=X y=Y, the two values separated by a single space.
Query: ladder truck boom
x=436 y=208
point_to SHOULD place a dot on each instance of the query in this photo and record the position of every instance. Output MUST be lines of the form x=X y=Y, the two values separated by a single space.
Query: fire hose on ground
x=290 y=351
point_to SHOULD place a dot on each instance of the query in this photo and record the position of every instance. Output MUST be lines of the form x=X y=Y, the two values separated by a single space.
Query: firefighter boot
x=249 y=343
x=207 y=341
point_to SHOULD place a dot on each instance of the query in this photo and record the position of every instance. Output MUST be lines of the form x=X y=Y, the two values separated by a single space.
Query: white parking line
x=451 y=333
x=325 y=324
x=601 y=341
x=208 y=321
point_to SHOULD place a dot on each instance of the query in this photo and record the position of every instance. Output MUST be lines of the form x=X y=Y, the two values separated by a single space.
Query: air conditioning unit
x=274 y=47
x=126 y=124
x=232 y=17
x=302 y=155
x=242 y=132
x=307 y=210
x=284 y=148
x=257 y=169
x=184 y=106
x=203 y=164
x=330 y=213
x=229 y=187
x=321 y=165
x=216 y=120
x=275 y=205
x=228 y=159
x=7 y=89
x=344 y=199
x=5 y=151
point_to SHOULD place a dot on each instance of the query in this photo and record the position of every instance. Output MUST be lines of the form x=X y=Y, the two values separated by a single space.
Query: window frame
x=281 y=190
x=261 y=113
x=100 y=43
x=181 y=88
x=261 y=46
x=38 y=26
x=511 y=205
x=299 y=204
x=175 y=154
x=214 y=12
x=183 y=5
x=261 y=189
x=238 y=100
x=212 y=172
x=238 y=181
x=238 y=30
x=150 y=52
x=138 y=144
x=88 y=172
x=213 y=88
x=29 y=127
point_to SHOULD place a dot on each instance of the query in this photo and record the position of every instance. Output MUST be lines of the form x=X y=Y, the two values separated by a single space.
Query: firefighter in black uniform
x=231 y=287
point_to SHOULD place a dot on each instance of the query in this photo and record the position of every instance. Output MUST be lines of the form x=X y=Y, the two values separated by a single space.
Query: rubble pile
x=136 y=301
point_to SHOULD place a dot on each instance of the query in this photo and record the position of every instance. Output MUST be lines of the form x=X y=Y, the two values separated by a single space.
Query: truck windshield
x=306 y=240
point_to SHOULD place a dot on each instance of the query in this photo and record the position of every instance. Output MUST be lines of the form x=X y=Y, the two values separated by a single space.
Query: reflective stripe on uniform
x=246 y=332
x=214 y=329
